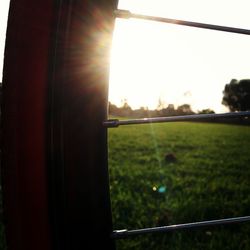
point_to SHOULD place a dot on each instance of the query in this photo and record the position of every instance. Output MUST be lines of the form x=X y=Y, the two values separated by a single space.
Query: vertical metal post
x=78 y=91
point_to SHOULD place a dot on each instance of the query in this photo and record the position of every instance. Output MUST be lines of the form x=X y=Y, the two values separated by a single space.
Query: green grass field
x=210 y=179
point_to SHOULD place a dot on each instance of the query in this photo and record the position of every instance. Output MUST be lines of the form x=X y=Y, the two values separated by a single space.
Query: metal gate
x=124 y=233
x=55 y=98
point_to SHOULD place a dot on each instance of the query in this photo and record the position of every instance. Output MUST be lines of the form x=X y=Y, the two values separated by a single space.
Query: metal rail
x=127 y=14
x=121 y=234
x=124 y=233
x=115 y=122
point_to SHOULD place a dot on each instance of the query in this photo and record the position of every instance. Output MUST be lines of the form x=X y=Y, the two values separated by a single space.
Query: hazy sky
x=178 y=64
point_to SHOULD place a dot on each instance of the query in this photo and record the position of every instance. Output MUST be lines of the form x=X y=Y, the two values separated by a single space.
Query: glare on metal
x=120 y=234
x=116 y=123
x=127 y=14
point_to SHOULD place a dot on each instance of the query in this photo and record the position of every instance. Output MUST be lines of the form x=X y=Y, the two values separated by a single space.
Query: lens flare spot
x=162 y=189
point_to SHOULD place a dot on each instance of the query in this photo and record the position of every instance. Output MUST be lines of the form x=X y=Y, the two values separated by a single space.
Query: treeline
x=170 y=110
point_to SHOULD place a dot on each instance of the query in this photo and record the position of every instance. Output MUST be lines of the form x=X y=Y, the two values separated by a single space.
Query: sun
x=137 y=63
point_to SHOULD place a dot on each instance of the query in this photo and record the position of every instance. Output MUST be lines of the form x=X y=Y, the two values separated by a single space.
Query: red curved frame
x=54 y=165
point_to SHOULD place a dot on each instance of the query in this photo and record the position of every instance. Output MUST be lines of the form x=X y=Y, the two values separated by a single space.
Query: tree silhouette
x=184 y=109
x=206 y=111
x=236 y=95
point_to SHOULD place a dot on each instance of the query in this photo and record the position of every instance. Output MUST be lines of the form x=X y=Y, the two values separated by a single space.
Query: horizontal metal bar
x=128 y=14
x=121 y=234
x=115 y=122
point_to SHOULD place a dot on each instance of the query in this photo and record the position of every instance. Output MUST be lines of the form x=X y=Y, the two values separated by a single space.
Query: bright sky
x=4 y=6
x=178 y=64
